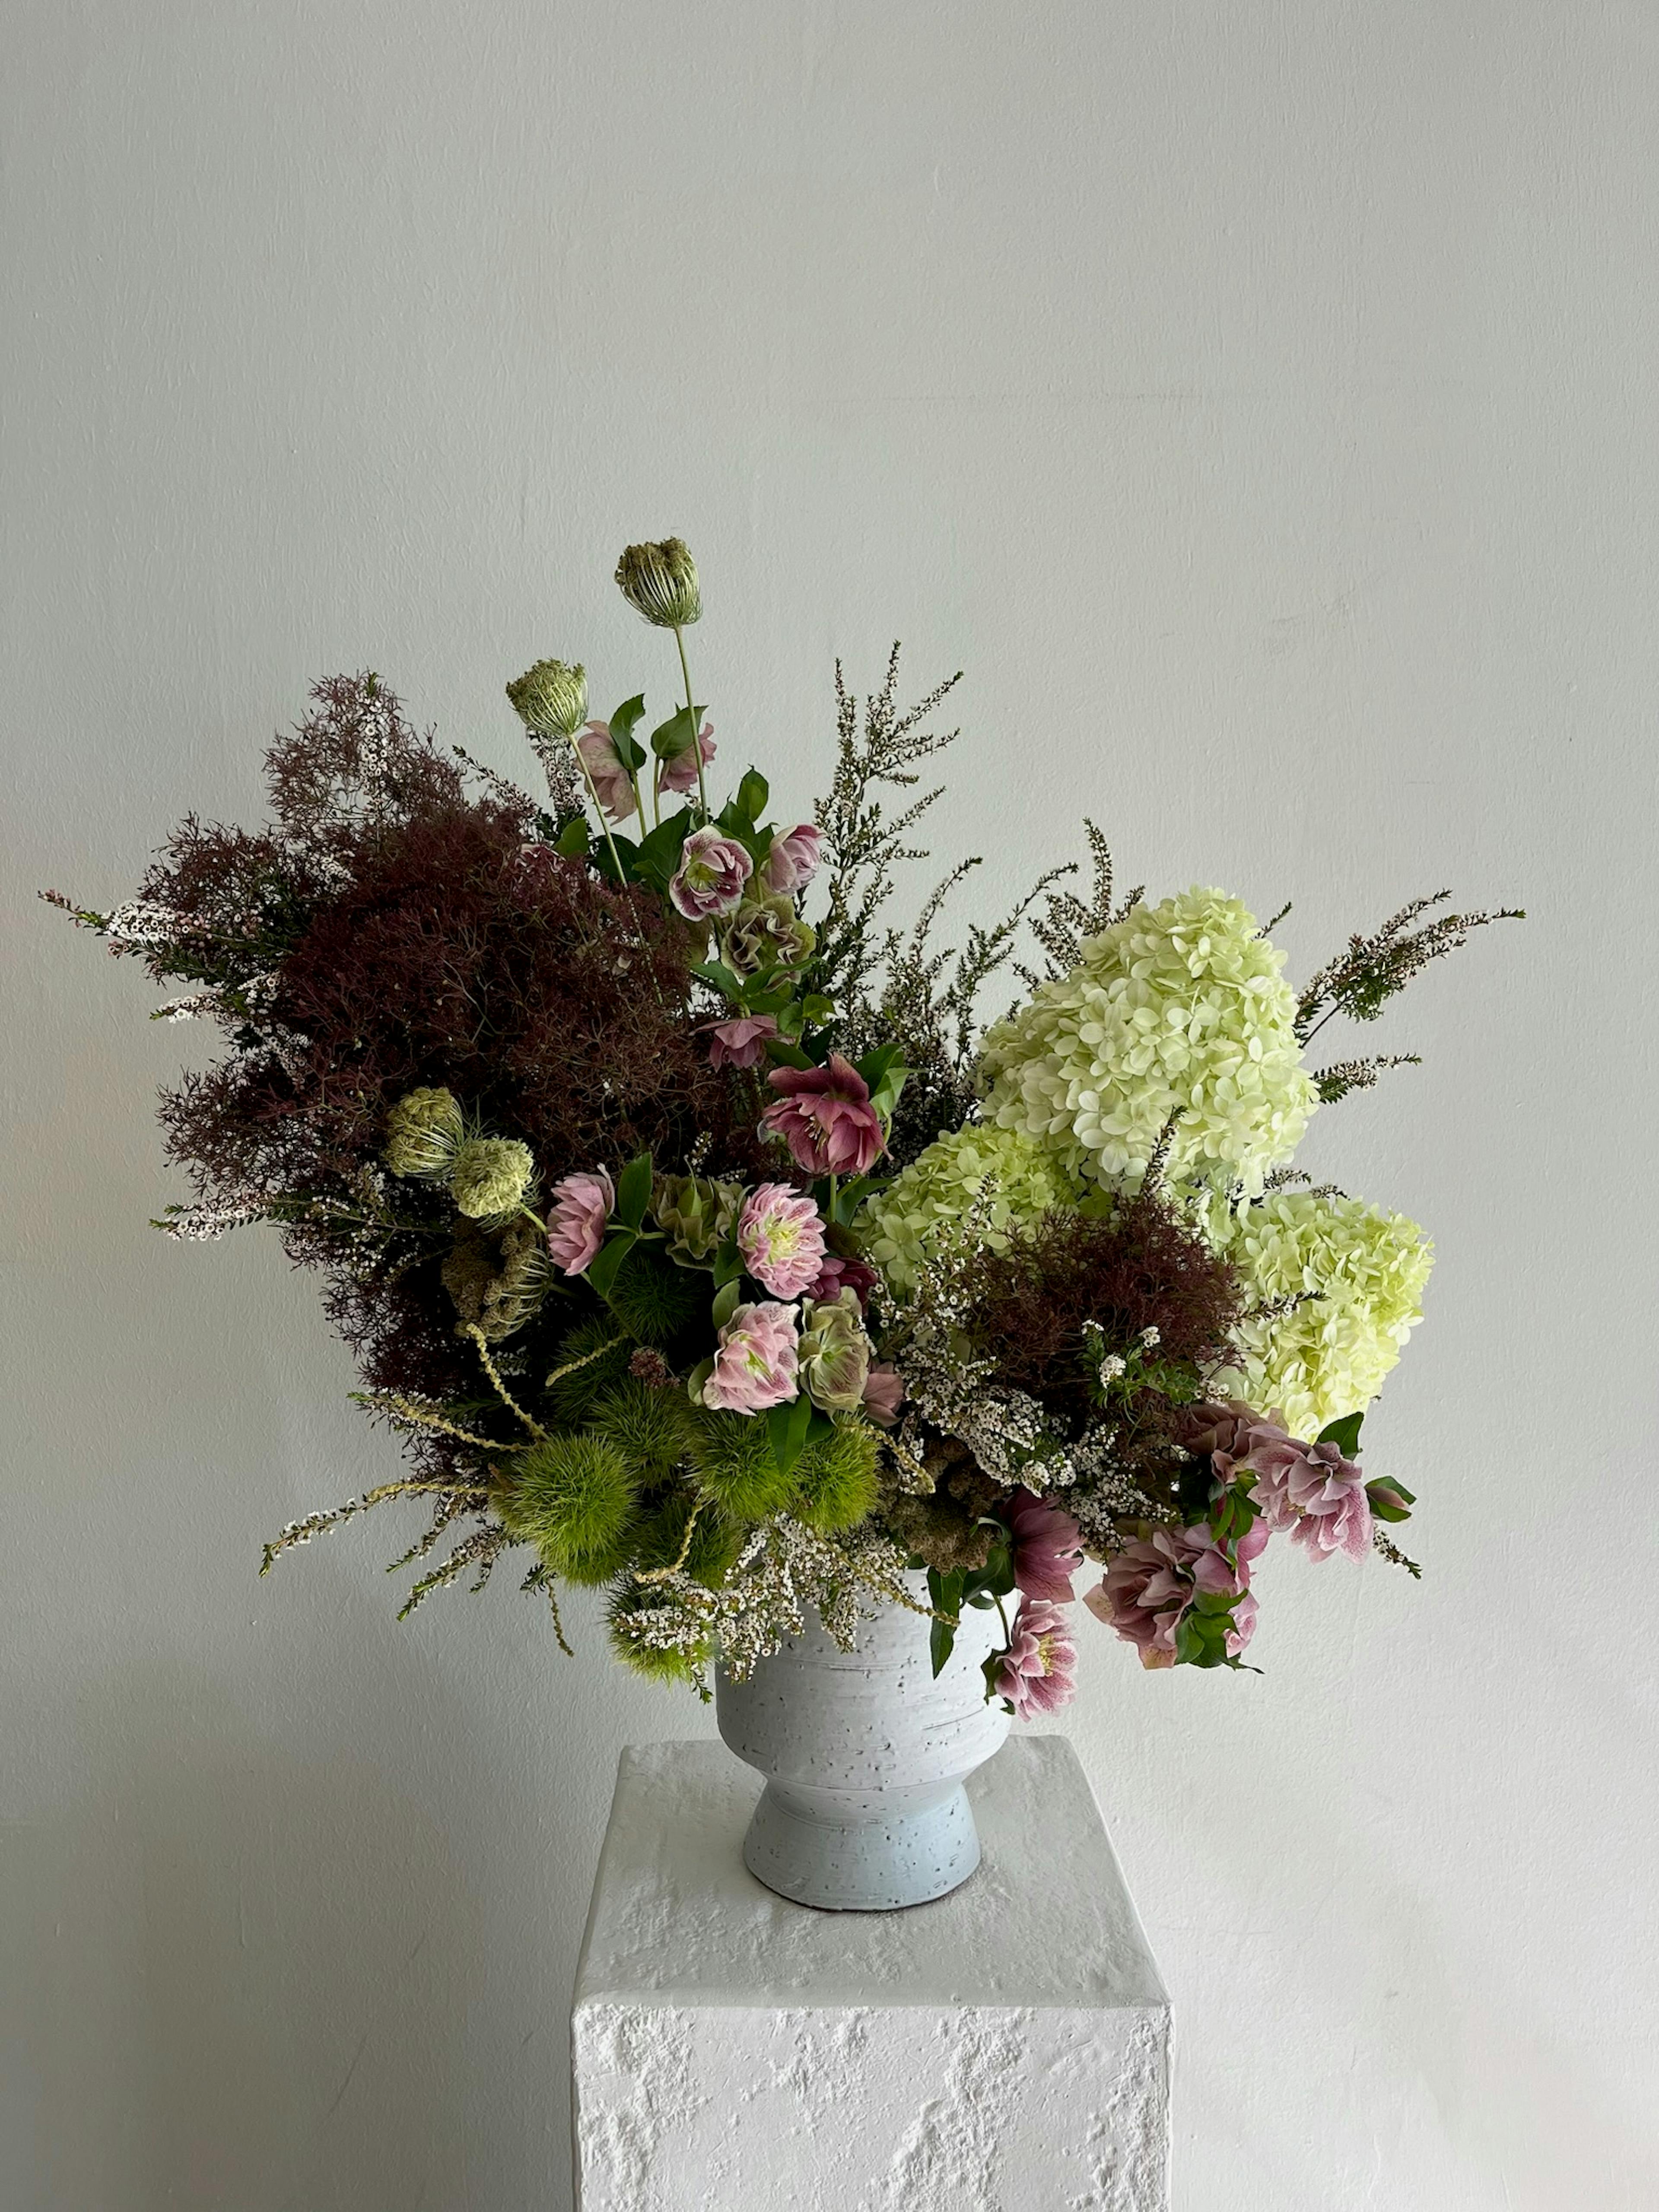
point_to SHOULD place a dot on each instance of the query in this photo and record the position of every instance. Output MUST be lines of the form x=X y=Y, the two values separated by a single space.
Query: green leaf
x=753 y=794
x=670 y=738
x=634 y=1191
x=786 y=1427
x=874 y=1065
x=816 y=1008
x=623 y=721
x=786 y=1055
x=573 y=840
x=724 y=981
x=1344 y=1434
x=728 y=1263
x=602 y=1274
x=944 y=1596
x=659 y=852
x=727 y=1299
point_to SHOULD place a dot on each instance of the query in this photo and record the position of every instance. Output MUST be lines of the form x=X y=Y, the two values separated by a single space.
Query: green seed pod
x=490 y=1175
x=838 y=1478
x=648 y=1427
x=732 y=1454
x=660 y=581
x=574 y=1498
x=551 y=698
x=422 y=1132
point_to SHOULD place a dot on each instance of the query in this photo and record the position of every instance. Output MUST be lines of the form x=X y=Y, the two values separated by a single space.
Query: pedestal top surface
x=677 y=1918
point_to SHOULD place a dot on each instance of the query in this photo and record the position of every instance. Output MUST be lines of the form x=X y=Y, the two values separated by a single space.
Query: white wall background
x=1259 y=401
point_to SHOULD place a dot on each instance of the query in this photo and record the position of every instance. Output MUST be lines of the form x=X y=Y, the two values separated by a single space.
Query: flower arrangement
x=698 y=1241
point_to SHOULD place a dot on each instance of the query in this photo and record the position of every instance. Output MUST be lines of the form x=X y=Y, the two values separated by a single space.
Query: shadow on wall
x=285 y=1989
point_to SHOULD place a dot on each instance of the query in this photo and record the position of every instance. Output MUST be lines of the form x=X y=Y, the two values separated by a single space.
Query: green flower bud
x=696 y=1215
x=660 y=582
x=767 y=931
x=423 y=1131
x=551 y=698
x=833 y=1353
x=490 y=1176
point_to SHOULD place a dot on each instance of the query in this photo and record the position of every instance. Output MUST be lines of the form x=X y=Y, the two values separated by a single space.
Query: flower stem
x=691 y=709
x=594 y=793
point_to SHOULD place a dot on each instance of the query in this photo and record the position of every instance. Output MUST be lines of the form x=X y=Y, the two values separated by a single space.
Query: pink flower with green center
x=781 y=1239
x=757 y=1359
x=1039 y=1668
x=713 y=871
x=1311 y=1490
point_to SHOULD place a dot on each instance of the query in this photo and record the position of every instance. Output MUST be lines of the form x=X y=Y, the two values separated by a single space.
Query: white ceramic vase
x=865 y=1756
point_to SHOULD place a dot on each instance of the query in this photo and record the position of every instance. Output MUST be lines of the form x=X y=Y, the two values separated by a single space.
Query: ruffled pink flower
x=792 y=861
x=575 y=1224
x=826 y=1118
x=680 y=774
x=1039 y=1668
x=1311 y=1490
x=780 y=1238
x=740 y=1043
x=839 y=1273
x=714 y=869
x=1227 y=1429
x=1048 y=1548
x=756 y=1362
x=1152 y=1582
x=884 y=1394
x=605 y=772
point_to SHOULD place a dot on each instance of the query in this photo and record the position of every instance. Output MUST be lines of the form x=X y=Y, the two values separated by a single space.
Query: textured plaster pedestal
x=1005 y=2048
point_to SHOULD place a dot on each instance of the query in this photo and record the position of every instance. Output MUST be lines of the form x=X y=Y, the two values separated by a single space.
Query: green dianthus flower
x=1328 y=1355
x=1178 y=1009
x=939 y=1187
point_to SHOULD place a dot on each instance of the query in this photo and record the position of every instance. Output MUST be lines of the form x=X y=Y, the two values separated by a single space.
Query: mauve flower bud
x=422 y=1132
x=884 y=1394
x=793 y=860
x=660 y=581
x=612 y=786
x=679 y=773
x=551 y=698
x=577 y=1219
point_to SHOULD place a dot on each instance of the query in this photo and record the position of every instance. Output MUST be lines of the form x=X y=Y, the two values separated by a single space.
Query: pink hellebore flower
x=1048 y=1548
x=605 y=772
x=1152 y=1582
x=680 y=774
x=1039 y=1668
x=740 y=1043
x=884 y=1394
x=839 y=1273
x=755 y=1366
x=780 y=1238
x=575 y=1224
x=1313 y=1490
x=792 y=861
x=826 y=1118
x=714 y=869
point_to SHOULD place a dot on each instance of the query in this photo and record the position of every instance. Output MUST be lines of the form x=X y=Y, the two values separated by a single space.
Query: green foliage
x=648 y=1427
x=732 y=1454
x=572 y=1397
x=837 y=1476
x=1201 y=1636
x=715 y=1541
x=981 y=1587
x=653 y=1299
x=574 y=1498
x=1344 y=1434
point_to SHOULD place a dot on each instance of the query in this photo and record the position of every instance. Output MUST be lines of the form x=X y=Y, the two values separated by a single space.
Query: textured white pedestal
x=1005 y=2048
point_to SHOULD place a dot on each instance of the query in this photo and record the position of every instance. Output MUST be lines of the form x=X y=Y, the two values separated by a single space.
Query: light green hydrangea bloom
x=1328 y=1356
x=939 y=1187
x=1179 y=1007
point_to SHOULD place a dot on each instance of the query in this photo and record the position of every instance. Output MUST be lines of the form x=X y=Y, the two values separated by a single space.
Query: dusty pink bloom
x=1039 y=1669
x=1047 y=1547
x=605 y=772
x=1227 y=1428
x=1152 y=1582
x=884 y=1394
x=1314 y=1491
x=780 y=1238
x=755 y=1366
x=840 y=1274
x=826 y=1118
x=740 y=1042
x=575 y=1224
x=680 y=774
x=792 y=861
x=714 y=869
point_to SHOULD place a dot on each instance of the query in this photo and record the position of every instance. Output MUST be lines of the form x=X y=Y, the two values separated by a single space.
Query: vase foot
x=874 y=1865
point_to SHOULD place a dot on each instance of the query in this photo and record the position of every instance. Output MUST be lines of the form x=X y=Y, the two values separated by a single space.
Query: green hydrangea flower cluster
x=1328 y=1356
x=941 y=1184
x=1180 y=1008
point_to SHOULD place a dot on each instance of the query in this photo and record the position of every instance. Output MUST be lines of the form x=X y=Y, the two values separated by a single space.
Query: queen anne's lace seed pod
x=1327 y=1355
x=1178 y=1010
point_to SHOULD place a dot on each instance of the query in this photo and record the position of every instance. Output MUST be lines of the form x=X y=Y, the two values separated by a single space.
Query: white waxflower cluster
x=1327 y=1355
x=1180 y=1009
x=950 y=1180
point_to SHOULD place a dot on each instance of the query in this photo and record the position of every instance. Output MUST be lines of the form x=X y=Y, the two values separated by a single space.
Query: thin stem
x=696 y=733
x=593 y=792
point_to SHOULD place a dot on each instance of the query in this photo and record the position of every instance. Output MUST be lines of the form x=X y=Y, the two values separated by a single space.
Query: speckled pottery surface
x=865 y=1756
